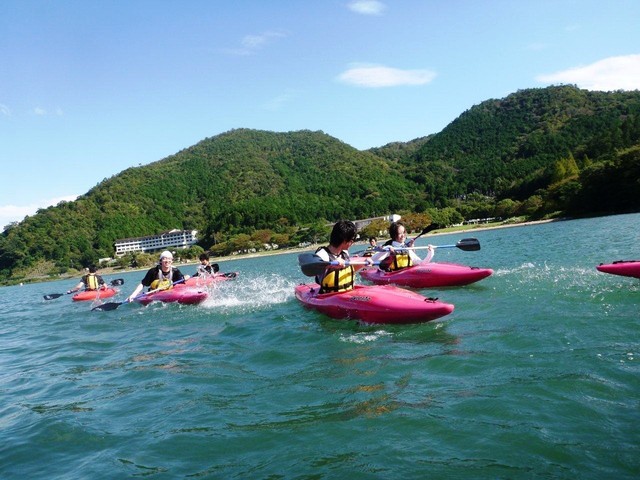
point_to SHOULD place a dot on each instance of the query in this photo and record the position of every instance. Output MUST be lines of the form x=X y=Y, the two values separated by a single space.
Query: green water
x=536 y=374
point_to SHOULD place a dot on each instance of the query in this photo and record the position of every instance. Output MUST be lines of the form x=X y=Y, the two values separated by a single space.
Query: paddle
x=466 y=244
x=312 y=265
x=114 y=283
x=427 y=229
x=105 y=307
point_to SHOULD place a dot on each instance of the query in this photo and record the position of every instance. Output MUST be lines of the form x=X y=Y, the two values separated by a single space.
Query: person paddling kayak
x=395 y=256
x=162 y=276
x=339 y=277
x=90 y=282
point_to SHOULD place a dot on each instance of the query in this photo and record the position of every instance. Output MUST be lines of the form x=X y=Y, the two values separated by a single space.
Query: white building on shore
x=162 y=241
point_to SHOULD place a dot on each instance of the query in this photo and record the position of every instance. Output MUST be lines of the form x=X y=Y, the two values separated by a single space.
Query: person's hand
x=430 y=247
x=410 y=244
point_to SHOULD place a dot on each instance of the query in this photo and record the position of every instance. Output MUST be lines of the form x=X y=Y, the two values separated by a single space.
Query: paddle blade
x=468 y=244
x=230 y=274
x=117 y=282
x=311 y=264
x=51 y=296
x=105 y=307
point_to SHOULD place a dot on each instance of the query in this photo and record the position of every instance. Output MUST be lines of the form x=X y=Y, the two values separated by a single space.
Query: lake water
x=536 y=374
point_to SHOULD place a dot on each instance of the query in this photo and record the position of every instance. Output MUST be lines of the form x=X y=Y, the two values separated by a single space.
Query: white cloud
x=39 y=111
x=376 y=76
x=252 y=43
x=367 y=7
x=4 y=110
x=613 y=73
x=16 y=213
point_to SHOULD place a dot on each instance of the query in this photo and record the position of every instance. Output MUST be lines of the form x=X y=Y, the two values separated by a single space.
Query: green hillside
x=551 y=151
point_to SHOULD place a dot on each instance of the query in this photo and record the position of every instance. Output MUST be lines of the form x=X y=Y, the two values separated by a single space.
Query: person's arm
x=135 y=293
x=76 y=288
x=177 y=276
x=100 y=280
x=430 y=252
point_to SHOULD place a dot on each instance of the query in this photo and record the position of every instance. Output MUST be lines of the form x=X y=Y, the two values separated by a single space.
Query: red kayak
x=179 y=293
x=427 y=275
x=373 y=304
x=626 y=268
x=210 y=279
x=94 y=294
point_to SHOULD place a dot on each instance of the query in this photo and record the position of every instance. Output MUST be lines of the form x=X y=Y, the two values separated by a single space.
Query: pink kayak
x=179 y=293
x=427 y=275
x=626 y=268
x=94 y=294
x=210 y=279
x=373 y=304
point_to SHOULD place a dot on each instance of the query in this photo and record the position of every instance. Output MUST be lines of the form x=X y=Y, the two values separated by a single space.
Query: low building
x=152 y=243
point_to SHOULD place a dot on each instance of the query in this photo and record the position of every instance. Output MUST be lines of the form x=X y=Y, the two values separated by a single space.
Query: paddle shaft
x=114 y=305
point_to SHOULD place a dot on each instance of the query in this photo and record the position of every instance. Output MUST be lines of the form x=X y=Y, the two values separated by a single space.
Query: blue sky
x=90 y=88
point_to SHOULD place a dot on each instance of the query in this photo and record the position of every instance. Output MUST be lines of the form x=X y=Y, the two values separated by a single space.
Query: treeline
x=538 y=153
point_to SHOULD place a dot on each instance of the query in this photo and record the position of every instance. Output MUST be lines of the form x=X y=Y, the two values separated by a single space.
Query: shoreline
x=110 y=271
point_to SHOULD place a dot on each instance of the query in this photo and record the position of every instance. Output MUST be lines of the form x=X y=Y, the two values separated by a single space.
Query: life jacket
x=91 y=282
x=399 y=260
x=162 y=282
x=337 y=280
x=369 y=252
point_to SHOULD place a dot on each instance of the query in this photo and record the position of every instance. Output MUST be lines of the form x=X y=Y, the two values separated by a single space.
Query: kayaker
x=206 y=269
x=398 y=254
x=90 y=282
x=372 y=248
x=162 y=276
x=339 y=278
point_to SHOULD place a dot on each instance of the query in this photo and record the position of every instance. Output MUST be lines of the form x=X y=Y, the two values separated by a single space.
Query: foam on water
x=255 y=293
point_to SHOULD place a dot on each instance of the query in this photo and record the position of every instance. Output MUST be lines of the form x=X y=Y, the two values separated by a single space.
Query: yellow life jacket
x=337 y=280
x=400 y=260
x=163 y=282
x=91 y=282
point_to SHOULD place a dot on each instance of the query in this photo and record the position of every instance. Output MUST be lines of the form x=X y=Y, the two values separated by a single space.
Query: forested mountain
x=556 y=150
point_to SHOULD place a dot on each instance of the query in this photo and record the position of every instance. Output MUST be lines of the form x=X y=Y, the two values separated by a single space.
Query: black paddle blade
x=105 y=307
x=468 y=244
x=51 y=296
x=311 y=264
x=230 y=274
x=117 y=282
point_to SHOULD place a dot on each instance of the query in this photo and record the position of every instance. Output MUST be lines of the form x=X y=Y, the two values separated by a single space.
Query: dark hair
x=204 y=256
x=92 y=269
x=393 y=229
x=343 y=231
x=373 y=238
